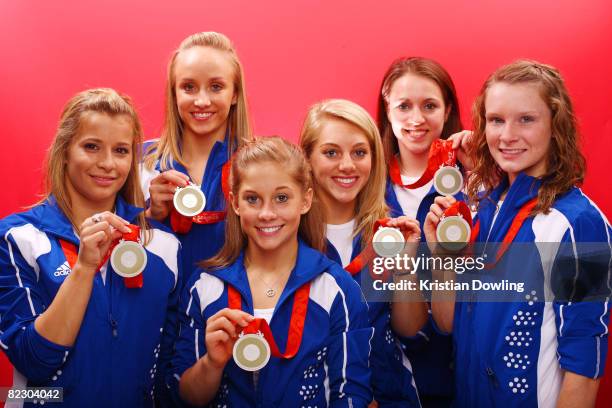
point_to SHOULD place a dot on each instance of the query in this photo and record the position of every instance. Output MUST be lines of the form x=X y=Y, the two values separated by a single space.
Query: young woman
x=268 y=269
x=527 y=166
x=68 y=319
x=417 y=104
x=343 y=147
x=206 y=118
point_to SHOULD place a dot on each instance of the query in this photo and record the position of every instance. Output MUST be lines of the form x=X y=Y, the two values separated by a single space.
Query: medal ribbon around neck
x=182 y=224
x=522 y=215
x=441 y=153
x=71 y=254
x=296 y=323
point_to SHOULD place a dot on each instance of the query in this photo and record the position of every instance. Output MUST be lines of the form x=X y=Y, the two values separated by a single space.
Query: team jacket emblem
x=63 y=270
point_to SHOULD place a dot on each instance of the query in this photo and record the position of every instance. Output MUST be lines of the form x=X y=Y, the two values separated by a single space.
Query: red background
x=294 y=54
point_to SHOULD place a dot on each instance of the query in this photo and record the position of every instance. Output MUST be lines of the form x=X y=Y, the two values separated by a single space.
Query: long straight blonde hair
x=271 y=149
x=100 y=100
x=371 y=204
x=168 y=147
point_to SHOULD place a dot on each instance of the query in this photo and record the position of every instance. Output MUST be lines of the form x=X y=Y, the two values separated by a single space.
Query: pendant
x=270 y=293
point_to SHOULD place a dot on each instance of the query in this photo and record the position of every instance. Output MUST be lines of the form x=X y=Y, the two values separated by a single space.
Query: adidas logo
x=63 y=270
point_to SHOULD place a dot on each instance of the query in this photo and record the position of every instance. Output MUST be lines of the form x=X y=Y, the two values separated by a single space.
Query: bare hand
x=162 y=190
x=222 y=330
x=97 y=234
x=433 y=218
x=461 y=141
x=410 y=230
x=408 y=226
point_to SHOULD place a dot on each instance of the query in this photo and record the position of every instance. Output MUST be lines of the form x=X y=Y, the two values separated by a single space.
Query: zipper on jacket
x=492 y=377
x=113 y=324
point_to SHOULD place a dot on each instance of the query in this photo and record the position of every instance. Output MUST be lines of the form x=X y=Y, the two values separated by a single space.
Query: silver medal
x=128 y=259
x=448 y=180
x=251 y=352
x=388 y=242
x=189 y=201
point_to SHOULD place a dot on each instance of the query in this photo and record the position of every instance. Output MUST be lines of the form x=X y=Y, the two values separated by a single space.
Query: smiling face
x=270 y=204
x=99 y=159
x=205 y=92
x=518 y=128
x=341 y=161
x=417 y=112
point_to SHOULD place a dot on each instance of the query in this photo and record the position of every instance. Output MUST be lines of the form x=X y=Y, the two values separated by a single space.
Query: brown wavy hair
x=271 y=149
x=565 y=164
x=168 y=147
x=100 y=100
x=370 y=204
x=426 y=68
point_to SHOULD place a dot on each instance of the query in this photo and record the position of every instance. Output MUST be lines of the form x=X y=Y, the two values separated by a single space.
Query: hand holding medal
x=161 y=190
x=392 y=235
x=107 y=235
x=189 y=203
x=97 y=234
x=256 y=343
x=449 y=224
x=222 y=331
x=441 y=167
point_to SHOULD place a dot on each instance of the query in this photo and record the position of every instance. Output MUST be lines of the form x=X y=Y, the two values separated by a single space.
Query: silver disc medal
x=189 y=201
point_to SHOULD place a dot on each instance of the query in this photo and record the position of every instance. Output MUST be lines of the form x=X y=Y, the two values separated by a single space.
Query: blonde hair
x=100 y=100
x=168 y=147
x=271 y=149
x=565 y=164
x=371 y=204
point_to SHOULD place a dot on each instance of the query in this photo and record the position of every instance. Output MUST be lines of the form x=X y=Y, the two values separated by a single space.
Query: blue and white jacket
x=430 y=351
x=331 y=366
x=392 y=382
x=125 y=340
x=514 y=353
x=202 y=241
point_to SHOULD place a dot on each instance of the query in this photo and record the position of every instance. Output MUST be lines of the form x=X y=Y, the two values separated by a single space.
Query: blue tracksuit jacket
x=331 y=366
x=431 y=351
x=512 y=354
x=202 y=241
x=392 y=381
x=125 y=340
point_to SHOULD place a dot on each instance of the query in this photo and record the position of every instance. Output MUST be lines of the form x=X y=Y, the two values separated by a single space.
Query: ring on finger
x=96 y=218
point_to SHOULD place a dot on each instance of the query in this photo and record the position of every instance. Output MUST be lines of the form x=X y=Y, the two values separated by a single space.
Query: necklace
x=270 y=291
x=270 y=288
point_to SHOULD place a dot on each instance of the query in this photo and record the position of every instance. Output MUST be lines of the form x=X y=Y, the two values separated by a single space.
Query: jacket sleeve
x=189 y=346
x=168 y=340
x=21 y=302
x=349 y=347
x=582 y=294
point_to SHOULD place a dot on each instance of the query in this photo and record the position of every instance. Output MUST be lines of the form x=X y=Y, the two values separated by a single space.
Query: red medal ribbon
x=517 y=222
x=182 y=224
x=459 y=208
x=70 y=252
x=441 y=153
x=366 y=256
x=296 y=323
